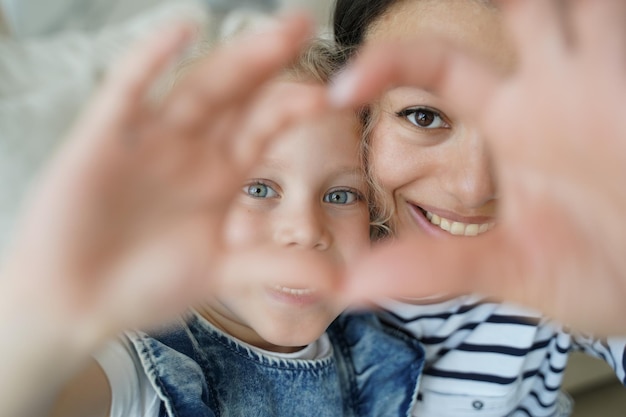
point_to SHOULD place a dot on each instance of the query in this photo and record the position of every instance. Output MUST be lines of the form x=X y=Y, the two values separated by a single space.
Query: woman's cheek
x=387 y=158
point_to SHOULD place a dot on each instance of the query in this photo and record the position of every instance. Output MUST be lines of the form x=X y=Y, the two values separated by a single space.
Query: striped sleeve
x=612 y=350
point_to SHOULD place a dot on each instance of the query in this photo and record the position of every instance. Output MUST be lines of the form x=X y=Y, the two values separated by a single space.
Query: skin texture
x=442 y=166
x=557 y=243
x=559 y=169
x=124 y=227
x=286 y=203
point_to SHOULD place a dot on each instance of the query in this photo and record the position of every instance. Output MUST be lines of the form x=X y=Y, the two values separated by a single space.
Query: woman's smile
x=437 y=222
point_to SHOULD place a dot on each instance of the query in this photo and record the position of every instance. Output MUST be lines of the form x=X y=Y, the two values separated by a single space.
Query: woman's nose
x=470 y=178
x=304 y=228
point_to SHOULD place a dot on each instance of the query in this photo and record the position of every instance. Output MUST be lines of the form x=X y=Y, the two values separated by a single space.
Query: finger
x=159 y=278
x=271 y=266
x=466 y=81
x=121 y=98
x=600 y=30
x=128 y=83
x=233 y=72
x=418 y=268
x=279 y=107
x=237 y=141
x=538 y=28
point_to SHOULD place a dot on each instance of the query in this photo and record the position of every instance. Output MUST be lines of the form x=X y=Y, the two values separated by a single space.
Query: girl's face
x=434 y=169
x=307 y=194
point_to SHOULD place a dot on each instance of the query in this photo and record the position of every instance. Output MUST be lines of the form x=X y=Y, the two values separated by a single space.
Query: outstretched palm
x=556 y=128
x=125 y=225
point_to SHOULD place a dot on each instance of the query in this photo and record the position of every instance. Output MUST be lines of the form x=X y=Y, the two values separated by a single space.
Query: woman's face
x=434 y=168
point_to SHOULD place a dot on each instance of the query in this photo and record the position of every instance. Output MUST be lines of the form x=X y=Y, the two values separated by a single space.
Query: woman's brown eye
x=424 y=118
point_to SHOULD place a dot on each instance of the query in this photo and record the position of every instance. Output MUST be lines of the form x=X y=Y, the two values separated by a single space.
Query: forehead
x=333 y=137
x=472 y=23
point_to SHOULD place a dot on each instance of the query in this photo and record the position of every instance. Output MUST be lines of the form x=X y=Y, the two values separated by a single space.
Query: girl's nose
x=305 y=228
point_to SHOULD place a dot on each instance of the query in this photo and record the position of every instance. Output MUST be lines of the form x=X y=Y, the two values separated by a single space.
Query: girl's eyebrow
x=273 y=163
x=351 y=173
x=349 y=170
x=279 y=164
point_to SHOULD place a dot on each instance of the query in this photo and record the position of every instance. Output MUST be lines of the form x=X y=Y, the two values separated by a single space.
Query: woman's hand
x=557 y=131
x=124 y=228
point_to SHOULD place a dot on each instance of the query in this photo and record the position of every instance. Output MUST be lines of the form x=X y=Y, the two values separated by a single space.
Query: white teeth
x=295 y=291
x=434 y=219
x=471 y=230
x=458 y=228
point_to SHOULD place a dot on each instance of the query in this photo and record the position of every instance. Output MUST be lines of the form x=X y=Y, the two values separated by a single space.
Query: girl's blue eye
x=341 y=197
x=424 y=118
x=259 y=190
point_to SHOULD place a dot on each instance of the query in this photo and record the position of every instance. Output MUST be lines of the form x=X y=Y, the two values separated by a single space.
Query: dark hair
x=351 y=21
x=353 y=18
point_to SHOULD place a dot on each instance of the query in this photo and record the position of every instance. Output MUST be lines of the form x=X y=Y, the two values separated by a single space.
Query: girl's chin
x=294 y=330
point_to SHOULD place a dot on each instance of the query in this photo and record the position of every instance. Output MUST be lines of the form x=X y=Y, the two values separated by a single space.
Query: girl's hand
x=557 y=130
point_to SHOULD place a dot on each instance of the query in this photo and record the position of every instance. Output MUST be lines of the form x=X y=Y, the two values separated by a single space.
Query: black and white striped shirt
x=494 y=360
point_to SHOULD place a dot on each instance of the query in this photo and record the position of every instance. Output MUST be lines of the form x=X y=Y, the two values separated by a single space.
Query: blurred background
x=53 y=53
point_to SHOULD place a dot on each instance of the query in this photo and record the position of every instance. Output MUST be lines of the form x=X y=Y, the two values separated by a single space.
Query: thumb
x=270 y=266
x=418 y=268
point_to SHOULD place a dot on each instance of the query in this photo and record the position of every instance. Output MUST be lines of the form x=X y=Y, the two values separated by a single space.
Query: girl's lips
x=293 y=296
x=436 y=224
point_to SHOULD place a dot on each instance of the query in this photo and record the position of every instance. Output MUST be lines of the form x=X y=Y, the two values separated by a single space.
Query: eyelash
x=413 y=111
x=259 y=183
x=357 y=195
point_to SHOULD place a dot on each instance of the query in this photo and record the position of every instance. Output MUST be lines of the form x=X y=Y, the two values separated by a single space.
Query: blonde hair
x=381 y=212
x=319 y=61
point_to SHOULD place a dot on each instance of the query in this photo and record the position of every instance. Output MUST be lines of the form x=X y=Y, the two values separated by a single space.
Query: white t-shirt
x=131 y=390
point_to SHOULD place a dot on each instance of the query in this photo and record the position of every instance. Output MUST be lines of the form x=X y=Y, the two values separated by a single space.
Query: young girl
x=258 y=346
x=482 y=358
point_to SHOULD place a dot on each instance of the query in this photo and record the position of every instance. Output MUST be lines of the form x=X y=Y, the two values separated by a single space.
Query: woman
x=436 y=174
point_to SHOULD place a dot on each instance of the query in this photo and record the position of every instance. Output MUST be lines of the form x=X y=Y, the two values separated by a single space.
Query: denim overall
x=198 y=371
